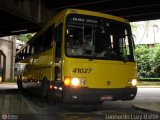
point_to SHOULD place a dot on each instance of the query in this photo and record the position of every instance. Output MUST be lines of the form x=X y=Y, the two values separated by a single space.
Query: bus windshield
x=98 y=38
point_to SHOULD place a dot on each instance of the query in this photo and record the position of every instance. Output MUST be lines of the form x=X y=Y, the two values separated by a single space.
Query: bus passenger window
x=57 y=38
x=47 y=39
x=32 y=50
x=58 y=50
x=57 y=33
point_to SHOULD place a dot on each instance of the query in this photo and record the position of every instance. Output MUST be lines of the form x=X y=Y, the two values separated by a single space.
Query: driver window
x=74 y=40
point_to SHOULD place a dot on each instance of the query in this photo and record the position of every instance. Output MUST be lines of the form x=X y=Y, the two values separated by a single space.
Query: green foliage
x=148 y=61
x=149 y=79
x=10 y=80
x=24 y=37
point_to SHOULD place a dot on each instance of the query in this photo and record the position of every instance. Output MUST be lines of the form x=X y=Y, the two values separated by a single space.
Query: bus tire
x=51 y=97
x=44 y=87
x=51 y=94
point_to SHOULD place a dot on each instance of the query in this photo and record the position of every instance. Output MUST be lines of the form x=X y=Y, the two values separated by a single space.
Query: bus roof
x=98 y=14
x=65 y=12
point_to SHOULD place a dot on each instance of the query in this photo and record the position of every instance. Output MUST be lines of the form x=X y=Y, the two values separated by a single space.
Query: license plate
x=106 y=98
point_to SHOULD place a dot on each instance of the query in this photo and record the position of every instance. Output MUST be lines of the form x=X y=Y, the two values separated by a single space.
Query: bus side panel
x=41 y=67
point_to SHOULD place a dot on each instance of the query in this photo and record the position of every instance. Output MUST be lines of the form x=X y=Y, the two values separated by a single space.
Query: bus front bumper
x=90 y=95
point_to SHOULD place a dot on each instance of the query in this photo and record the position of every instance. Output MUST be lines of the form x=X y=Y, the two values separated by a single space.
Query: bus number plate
x=82 y=70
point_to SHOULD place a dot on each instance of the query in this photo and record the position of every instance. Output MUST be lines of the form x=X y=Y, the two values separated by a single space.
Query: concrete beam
x=35 y=11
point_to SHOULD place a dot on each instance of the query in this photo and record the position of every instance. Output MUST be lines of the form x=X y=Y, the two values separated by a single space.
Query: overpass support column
x=3 y=66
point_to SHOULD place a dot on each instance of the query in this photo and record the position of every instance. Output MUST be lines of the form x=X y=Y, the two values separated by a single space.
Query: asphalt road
x=26 y=106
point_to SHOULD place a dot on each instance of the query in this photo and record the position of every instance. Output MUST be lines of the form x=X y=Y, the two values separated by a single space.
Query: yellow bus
x=80 y=56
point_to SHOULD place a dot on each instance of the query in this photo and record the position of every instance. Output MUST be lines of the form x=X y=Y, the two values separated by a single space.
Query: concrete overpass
x=21 y=16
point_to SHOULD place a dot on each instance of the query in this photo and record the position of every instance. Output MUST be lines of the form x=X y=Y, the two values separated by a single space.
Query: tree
x=25 y=37
x=148 y=61
x=157 y=60
x=143 y=55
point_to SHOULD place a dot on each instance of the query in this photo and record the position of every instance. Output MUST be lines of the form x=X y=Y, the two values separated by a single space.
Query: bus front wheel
x=51 y=97
x=55 y=92
x=19 y=84
x=44 y=87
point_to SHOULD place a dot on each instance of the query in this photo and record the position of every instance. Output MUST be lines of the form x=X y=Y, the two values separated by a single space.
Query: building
x=7 y=56
x=146 y=32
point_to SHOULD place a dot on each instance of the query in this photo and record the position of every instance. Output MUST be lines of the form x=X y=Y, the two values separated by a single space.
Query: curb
x=148 y=86
x=145 y=109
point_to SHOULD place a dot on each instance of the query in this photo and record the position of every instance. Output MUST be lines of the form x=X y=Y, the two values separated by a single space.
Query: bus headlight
x=75 y=82
x=133 y=82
